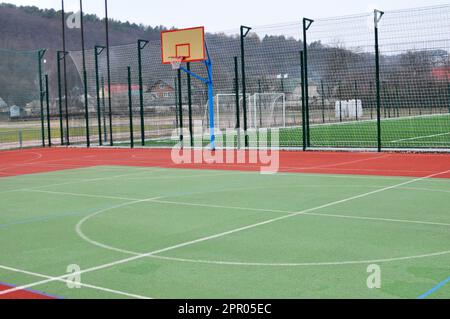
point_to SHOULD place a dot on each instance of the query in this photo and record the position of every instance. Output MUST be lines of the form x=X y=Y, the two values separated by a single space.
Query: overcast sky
x=226 y=14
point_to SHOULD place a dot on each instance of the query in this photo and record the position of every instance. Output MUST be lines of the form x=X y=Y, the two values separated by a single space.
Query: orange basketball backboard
x=188 y=44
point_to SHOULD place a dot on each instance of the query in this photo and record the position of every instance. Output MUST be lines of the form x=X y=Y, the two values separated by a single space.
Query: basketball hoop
x=186 y=46
x=176 y=62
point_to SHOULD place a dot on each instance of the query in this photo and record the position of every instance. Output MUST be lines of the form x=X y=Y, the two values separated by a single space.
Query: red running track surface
x=43 y=160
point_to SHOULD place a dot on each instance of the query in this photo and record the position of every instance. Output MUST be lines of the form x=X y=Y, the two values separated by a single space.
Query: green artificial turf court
x=177 y=233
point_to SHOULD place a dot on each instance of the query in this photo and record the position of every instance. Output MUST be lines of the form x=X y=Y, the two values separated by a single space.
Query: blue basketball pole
x=211 y=101
x=210 y=83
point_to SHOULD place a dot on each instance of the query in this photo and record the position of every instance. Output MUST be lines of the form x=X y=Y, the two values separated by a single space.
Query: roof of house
x=161 y=81
x=441 y=73
x=123 y=88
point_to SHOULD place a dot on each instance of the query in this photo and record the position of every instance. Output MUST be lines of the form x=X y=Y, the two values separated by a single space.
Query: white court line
x=426 y=189
x=220 y=206
x=69 y=166
x=80 y=181
x=420 y=137
x=346 y=123
x=310 y=214
x=160 y=201
x=39 y=155
x=144 y=170
x=117 y=292
x=348 y=162
x=236 y=263
x=376 y=171
x=95 y=243
x=180 y=203
x=197 y=193
x=226 y=190
x=108 y=247
x=286 y=168
x=393 y=119
x=305 y=264
x=183 y=176
x=406 y=221
x=114 y=177
x=79 y=195
x=222 y=234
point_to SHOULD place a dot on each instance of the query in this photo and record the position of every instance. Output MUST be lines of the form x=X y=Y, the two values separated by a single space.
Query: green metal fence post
x=130 y=108
x=244 y=32
x=180 y=107
x=397 y=100
x=302 y=67
x=306 y=25
x=176 y=102
x=191 y=129
x=422 y=93
x=141 y=45
x=237 y=98
x=20 y=138
x=387 y=98
x=86 y=110
x=108 y=67
x=66 y=102
x=323 y=101
x=41 y=54
x=385 y=104
x=61 y=128
x=371 y=100
x=340 y=101
x=85 y=82
x=409 y=104
x=448 y=100
x=105 y=128
x=259 y=100
x=330 y=94
x=47 y=102
x=377 y=18
x=98 y=50
x=356 y=99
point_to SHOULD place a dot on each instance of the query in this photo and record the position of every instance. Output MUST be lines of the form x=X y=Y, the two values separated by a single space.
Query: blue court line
x=32 y=291
x=434 y=289
x=47 y=218
x=40 y=219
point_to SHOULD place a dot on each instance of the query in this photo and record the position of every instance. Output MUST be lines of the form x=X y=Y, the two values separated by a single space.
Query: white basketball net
x=176 y=62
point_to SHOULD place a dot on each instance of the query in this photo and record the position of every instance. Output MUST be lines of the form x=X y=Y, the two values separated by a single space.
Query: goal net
x=267 y=110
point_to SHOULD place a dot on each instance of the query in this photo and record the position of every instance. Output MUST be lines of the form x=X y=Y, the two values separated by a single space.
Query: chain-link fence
x=20 y=117
x=415 y=78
